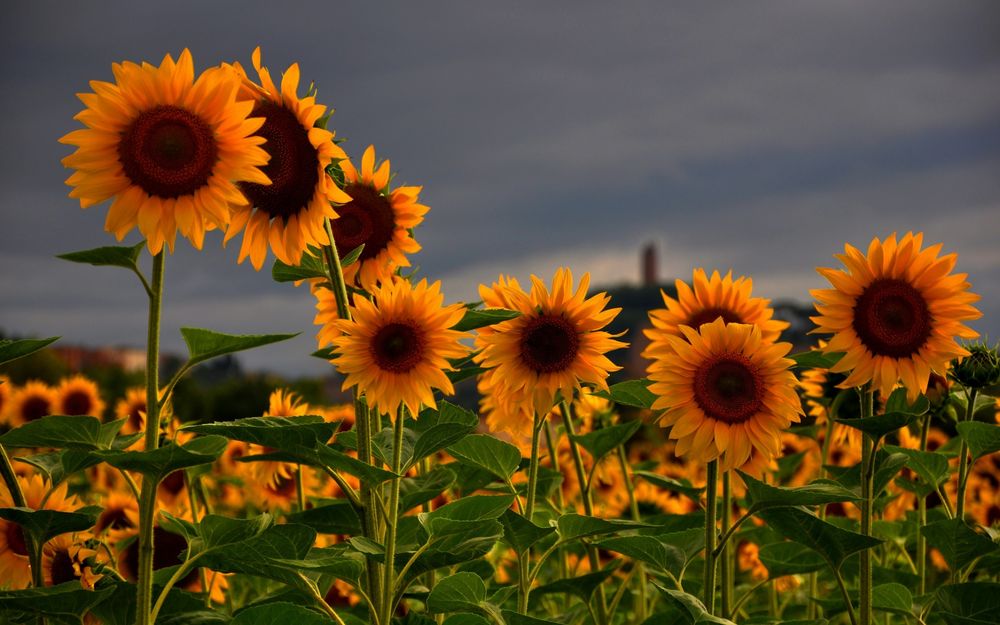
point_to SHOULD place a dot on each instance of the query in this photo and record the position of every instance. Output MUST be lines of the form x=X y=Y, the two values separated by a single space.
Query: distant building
x=78 y=358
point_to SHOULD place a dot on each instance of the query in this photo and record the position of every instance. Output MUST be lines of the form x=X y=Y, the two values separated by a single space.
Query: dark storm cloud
x=759 y=136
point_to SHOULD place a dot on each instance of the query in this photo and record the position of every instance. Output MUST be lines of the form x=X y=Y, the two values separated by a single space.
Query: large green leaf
x=471 y=508
x=634 y=393
x=279 y=613
x=265 y=555
x=68 y=601
x=670 y=484
x=931 y=466
x=788 y=558
x=339 y=461
x=894 y=598
x=217 y=531
x=600 y=443
x=877 y=426
x=887 y=465
x=648 y=549
x=125 y=256
x=520 y=533
x=43 y=525
x=338 y=561
x=437 y=429
x=308 y=268
x=513 y=618
x=816 y=359
x=158 y=463
x=59 y=465
x=337 y=517
x=63 y=432
x=959 y=543
x=487 y=453
x=414 y=491
x=831 y=542
x=461 y=592
x=206 y=344
x=982 y=438
x=898 y=402
x=14 y=349
x=574 y=526
x=689 y=608
x=762 y=496
x=286 y=433
x=475 y=319
x=582 y=586
x=973 y=603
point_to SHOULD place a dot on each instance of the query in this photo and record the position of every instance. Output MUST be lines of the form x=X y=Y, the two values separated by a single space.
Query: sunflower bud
x=980 y=369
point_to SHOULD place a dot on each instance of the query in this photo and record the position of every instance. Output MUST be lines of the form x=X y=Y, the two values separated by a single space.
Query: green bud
x=980 y=369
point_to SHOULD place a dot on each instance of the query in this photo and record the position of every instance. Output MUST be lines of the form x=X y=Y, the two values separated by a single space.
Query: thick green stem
x=147 y=498
x=922 y=516
x=726 y=556
x=634 y=508
x=711 y=534
x=524 y=559
x=867 y=504
x=389 y=568
x=963 y=458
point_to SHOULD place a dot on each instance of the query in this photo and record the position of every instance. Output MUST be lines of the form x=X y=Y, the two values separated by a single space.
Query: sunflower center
x=284 y=487
x=173 y=483
x=15 y=539
x=367 y=219
x=711 y=314
x=78 y=403
x=549 y=344
x=293 y=167
x=727 y=388
x=61 y=569
x=113 y=518
x=35 y=408
x=892 y=319
x=134 y=418
x=168 y=152
x=397 y=347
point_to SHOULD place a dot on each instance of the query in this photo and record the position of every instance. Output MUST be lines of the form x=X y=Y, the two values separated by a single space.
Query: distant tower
x=648 y=263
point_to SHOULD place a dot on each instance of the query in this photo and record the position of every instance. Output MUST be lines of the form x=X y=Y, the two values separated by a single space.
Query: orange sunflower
x=556 y=345
x=289 y=213
x=379 y=218
x=32 y=401
x=64 y=560
x=895 y=313
x=5 y=393
x=710 y=298
x=78 y=396
x=168 y=147
x=281 y=403
x=725 y=391
x=395 y=350
x=133 y=408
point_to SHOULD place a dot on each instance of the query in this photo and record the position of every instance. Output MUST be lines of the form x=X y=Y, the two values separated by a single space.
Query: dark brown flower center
x=167 y=550
x=78 y=403
x=173 y=484
x=35 y=407
x=892 y=319
x=711 y=314
x=293 y=167
x=549 y=343
x=134 y=418
x=15 y=539
x=284 y=487
x=367 y=219
x=113 y=518
x=728 y=388
x=61 y=568
x=168 y=152
x=397 y=347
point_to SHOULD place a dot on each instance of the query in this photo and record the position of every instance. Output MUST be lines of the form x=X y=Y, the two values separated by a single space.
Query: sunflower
x=895 y=313
x=555 y=346
x=395 y=350
x=78 y=396
x=281 y=403
x=379 y=218
x=725 y=390
x=14 y=568
x=711 y=298
x=5 y=393
x=119 y=517
x=169 y=148
x=32 y=401
x=167 y=550
x=327 y=314
x=289 y=213
x=133 y=408
x=64 y=560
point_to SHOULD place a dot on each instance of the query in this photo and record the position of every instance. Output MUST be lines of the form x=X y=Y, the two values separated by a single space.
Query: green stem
x=389 y=568
x=195 y=513
x=179 y=574
x=964 y=461
x=846 y=595
x=711 y=534
x=551 y=441
x=727 y=564
x=300 y=491
x=922 y=516
x=634 y=508
x=813 y=611
x=867 y=504
x=147 y=498
x=524 y=585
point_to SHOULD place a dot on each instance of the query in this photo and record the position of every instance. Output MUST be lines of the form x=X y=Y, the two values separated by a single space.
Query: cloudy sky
x=753 y=136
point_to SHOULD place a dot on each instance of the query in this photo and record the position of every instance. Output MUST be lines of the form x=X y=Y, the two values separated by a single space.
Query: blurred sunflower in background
x=895 y=313
x=32 y=401
x=725 y=392
x=168 y=147
x=79 y=396
x=287 y=212
x=395 y=349
x=133 y=408
x=379 y=218
x=5 y=394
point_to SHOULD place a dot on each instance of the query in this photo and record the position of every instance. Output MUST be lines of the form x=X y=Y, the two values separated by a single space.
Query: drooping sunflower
x=556 y=345
x=725 y=391
x=395 y=350
x=64 y=559
x=78 y=396
x=895 y=313
x=15 y=570
x=168 y=147
x=378 y=218
x=32 y=401
x=289 y=213
x=133 y=408
x=711 y=297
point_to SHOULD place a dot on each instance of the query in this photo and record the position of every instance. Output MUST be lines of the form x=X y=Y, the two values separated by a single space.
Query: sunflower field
x=857 y=482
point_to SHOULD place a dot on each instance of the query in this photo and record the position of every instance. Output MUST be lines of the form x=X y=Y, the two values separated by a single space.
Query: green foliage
x=437 y=429
x=158 y=463
x=973 y=603
x=983 y=439
x=582 y=586
x=69 y=601
x=634 y=393
x=475 y=319
x=461 y=592
x=574 y=526
x=286 y=433
x=520 y=533
x=279 y=613
x=206 y=344
x=816 y=359
x=959 y=543
x=600 y=443
x=831 y=542
x=649 y=549
x=64 y=432
x=12 y=350
x=487 y=453
x=762 y=496
x=790 y=558
x=44 y=525
x=124 y=256
x=310 y=267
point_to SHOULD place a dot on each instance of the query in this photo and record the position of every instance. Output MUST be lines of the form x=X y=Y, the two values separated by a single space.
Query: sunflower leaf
x=61 y=431
x=337 y=517
x=582 y=586
x=648 y=549
x=310 y=267
x=414 y=491
x=437 y=429
x=670 y=484
x=828 y=540
x=206 y=344
x=286 y=433
x=973 y=603
x=600 y=443
x=762 y=496
x=158 y=463
x=279 y=613
x=44 y=525
x=877 y=426
x=125 y=256
x=931 y=466
x=574 y=526
x=983 y=439
x=352 y=256
x=487 y=453
x=59 y=465
x=634 y=393
x=520 y=533
x=959 y=543
x=816 y=359
x=14 y=349
x=898 y=402
x=475 y=319
x=460 y=592
x=69 y=600
x=789 y=558
x=265 y=555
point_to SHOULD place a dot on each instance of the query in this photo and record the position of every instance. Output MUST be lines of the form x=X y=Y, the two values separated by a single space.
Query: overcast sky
x=753 y=136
